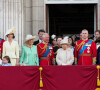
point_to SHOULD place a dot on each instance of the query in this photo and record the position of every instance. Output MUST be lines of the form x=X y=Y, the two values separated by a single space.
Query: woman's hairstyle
x=72 y=40
x=51 y=41
x=13 y=35
x=26 y=43
x=7 y=58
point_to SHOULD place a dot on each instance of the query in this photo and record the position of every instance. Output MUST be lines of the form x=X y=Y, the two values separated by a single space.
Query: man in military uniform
x=1 y=46
x=85 y=50
x=45 y=51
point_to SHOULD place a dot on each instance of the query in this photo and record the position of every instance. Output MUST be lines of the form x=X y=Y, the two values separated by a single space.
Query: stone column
x=99 y=14
x=28 y=17
x=37 y=15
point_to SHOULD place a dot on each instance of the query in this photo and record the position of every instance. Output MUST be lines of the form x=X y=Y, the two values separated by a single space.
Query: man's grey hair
x=43 y=36
x=85 y=30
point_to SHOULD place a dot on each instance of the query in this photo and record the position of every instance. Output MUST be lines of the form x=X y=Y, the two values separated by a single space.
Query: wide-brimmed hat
x=64 y=41
x=10 y=31
x=29 y=37
x=66 y=37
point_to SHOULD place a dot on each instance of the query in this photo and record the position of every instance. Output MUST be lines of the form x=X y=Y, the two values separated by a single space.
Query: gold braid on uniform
x=81 y=44
x=45 y=47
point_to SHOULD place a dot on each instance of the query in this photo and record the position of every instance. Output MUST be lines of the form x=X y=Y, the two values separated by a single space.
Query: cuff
x=94 y=61
x=75 y=61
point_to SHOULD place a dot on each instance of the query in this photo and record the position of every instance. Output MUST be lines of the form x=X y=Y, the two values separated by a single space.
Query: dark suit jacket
x=36 y=42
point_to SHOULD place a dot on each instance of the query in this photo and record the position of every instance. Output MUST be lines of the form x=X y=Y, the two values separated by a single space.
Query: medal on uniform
x=88 y=48
x=50 y=52
x=50 y=47
x=88 y=51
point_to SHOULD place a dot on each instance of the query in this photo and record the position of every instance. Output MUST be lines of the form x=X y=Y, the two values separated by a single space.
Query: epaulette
x=43 y=47
x=81 y=44
x=76 y=42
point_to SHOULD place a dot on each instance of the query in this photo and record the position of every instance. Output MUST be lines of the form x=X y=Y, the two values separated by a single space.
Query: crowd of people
x=61 y=51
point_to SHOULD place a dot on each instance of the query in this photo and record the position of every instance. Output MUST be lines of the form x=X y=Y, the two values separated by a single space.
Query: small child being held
x=6 y=61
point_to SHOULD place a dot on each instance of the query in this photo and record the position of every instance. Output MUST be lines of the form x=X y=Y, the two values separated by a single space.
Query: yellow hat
x=10 y=31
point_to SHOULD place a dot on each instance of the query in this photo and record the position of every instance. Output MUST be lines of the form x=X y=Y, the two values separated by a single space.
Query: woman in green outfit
x=29 y=55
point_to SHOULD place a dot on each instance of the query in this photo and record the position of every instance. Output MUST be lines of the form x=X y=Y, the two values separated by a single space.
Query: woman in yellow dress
x=11 y=47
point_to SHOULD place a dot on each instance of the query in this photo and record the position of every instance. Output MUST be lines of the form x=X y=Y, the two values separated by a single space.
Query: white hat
x=64 y=41
x=53 y=36
x=66 y=37
x=11 y=30
x=29 y=37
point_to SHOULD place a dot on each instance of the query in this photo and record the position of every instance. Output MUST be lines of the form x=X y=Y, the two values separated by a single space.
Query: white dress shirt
x=40 y=41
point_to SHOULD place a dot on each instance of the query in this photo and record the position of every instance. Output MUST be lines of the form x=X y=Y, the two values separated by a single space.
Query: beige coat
x=11 y=50
x=65 y=57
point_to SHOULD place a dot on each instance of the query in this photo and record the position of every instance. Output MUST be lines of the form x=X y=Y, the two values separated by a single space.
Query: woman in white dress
x=65 y=54
x=11 y=47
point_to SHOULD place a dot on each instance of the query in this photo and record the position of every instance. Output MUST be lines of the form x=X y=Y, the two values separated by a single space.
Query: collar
x=11 y=42
x=40 y=41
x=85 y=39
x=44 y=42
